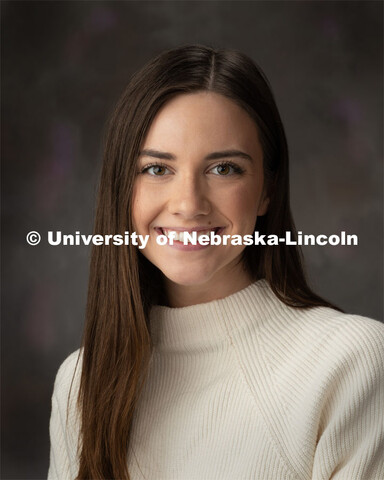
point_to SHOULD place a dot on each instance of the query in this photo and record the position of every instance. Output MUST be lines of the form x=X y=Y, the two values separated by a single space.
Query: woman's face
x=200 y=169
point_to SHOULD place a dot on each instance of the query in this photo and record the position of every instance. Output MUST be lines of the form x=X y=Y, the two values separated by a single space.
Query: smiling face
x=200 y=169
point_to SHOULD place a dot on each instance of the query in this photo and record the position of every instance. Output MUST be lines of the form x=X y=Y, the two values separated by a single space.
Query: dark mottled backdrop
x=63 y=66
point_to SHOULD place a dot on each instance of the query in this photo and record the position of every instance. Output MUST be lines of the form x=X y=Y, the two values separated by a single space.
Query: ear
x=263 y=205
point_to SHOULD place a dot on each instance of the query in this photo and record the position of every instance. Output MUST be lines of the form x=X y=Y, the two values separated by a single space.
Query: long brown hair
x=123 y=284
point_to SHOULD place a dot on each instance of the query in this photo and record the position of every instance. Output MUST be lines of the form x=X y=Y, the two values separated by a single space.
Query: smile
x=180 y=237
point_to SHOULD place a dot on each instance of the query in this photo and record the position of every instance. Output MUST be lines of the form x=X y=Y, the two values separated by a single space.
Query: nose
x=188 y=197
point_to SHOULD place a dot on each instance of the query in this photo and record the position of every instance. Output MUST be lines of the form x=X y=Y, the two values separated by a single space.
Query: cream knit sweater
x=247 y=388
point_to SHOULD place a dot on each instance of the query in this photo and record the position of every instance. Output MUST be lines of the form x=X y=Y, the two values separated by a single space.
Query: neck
x=215 y=289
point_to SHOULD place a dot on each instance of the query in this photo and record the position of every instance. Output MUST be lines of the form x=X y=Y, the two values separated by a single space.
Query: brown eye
x=223 y=169
x=226 y=169
x=156 y=170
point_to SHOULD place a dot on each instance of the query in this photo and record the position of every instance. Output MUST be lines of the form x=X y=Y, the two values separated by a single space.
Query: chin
x=187 y=277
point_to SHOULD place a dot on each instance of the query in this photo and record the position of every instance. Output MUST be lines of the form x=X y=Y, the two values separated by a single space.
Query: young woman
x=203 y=361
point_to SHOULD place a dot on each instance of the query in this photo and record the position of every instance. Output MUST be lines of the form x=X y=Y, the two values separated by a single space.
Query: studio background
x=64 y=64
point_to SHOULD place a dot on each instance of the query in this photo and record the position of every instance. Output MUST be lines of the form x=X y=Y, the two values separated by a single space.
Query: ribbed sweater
x=245 y=388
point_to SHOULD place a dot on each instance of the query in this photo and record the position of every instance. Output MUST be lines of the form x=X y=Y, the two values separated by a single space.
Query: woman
x=210 y=361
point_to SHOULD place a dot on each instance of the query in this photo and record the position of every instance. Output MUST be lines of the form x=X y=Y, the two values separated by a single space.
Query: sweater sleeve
x=63 y=426
x=351 y=437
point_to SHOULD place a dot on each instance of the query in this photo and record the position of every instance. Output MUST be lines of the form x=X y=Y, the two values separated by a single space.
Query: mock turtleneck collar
x=208 y=324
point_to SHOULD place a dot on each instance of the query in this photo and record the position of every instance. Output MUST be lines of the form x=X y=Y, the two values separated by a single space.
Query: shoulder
x=339 y=358
x=332 y=332
x=319 y=342
x=65 y=421
x=304 y=338
x=344 y=346
x=67 y=379
x=316 y=328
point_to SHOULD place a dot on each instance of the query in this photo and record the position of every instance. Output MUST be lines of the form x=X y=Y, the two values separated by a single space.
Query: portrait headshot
x=192 y=240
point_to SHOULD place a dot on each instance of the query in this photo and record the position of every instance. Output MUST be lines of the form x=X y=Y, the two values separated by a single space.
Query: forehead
x=202 y=120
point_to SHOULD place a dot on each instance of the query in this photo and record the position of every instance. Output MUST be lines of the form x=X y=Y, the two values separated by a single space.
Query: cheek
x=242 y=204
x=146 y=202
x=139 y=208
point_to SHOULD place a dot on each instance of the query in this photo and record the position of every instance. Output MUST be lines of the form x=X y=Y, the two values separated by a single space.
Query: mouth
x=179 y=234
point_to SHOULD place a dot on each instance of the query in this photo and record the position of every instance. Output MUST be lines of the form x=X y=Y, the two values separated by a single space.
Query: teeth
x=179 y=235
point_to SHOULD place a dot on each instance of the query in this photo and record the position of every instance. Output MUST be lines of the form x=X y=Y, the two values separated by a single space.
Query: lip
x=188 y=229
x=189 y=247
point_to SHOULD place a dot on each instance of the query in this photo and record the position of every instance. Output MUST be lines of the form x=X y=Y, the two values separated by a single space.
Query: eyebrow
x=211 y=156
